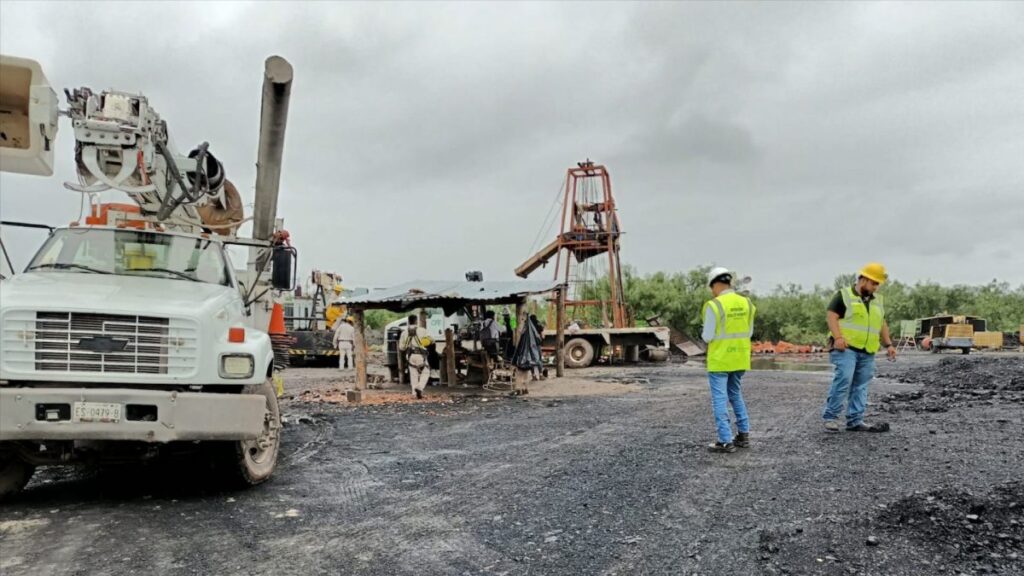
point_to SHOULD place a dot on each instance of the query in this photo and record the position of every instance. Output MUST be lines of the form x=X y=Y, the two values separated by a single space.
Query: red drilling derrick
x=590 y=228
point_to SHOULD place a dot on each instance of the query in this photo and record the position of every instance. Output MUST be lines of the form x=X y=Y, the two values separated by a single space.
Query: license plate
x=96 y=412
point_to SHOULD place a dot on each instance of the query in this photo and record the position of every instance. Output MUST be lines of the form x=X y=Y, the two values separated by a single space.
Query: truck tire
x=579 y=353
x=965 y=350
x=250 y=462
x=14 y=474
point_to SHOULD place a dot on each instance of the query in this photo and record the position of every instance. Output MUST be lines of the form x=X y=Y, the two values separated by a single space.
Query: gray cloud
x=793 y=141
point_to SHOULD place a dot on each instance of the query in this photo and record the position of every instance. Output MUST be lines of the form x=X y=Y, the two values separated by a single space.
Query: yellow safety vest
x=332 y=313
x=734 y=324
x=861 y=326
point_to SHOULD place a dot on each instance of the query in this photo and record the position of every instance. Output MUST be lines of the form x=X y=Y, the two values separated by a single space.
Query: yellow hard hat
x=874 y=271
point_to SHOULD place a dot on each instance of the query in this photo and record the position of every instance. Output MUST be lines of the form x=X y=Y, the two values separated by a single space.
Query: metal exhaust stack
x=277 y=89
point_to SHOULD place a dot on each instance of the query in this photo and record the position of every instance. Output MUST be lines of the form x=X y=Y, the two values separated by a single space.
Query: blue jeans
x=725 y=390
x=852 y=370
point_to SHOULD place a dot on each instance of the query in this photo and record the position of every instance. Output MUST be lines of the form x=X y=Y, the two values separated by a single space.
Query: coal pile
x=961 y=381
x=980 y=534
x=938 y=531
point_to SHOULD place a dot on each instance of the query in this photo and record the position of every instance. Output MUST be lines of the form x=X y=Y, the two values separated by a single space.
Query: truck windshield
x=132 y=253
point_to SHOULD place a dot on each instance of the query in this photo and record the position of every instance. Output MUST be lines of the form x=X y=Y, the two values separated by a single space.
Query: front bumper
x=179 y=415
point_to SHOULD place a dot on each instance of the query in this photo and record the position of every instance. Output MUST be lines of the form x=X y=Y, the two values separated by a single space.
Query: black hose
x=189 y=194
x=169 y=203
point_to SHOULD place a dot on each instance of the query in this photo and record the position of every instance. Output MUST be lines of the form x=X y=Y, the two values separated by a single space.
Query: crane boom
x=121 y=143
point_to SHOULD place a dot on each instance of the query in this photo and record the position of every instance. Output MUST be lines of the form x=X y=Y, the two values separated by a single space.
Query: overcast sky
x=791 y=141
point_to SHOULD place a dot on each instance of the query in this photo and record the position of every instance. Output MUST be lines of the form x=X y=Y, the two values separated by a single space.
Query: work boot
x=742 y=440
x=419 y=394
x=832 y=425
x=722 y=448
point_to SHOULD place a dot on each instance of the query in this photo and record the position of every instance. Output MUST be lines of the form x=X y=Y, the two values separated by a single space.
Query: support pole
x=520 y=323
x=560 y=333
x=360 y=344
x=449 y=357
x=403 y=375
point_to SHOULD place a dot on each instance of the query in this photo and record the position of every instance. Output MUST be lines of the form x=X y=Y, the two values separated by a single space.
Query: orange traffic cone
x=277 y=320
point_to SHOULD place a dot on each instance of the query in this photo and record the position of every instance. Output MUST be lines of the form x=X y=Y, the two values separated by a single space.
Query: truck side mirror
x=285 y=264
x=28 y=118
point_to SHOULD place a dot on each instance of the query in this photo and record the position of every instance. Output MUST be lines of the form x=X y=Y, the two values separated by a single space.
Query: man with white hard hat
x=344 y=341
x=728 y=325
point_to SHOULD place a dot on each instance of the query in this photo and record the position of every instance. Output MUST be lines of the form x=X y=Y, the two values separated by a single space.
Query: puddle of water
x=795 y=364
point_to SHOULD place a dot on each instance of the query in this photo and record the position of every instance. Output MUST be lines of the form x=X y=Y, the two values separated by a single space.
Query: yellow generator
x=990 y=340
x=954 y=332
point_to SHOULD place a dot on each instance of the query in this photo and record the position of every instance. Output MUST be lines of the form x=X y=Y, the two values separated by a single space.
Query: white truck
x=133 y=330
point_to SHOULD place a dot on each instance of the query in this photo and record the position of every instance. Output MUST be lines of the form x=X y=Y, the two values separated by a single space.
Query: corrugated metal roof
x=418 y=292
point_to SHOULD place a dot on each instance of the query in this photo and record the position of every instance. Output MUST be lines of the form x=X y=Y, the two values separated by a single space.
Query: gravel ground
x=617 y=483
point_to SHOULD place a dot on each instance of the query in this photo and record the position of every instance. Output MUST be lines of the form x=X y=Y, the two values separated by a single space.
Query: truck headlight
x=236 y=366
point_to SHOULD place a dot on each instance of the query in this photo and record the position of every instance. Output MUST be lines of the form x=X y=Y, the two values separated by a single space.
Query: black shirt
x=839 y=307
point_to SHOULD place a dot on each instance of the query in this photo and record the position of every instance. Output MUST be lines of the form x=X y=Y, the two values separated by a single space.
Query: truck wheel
x=965 y=350
x=249 y=462
x=579 y=353
x=14 y=474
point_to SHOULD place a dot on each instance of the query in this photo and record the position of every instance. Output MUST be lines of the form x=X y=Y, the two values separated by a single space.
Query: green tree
x=378 y=319
x=796 y=314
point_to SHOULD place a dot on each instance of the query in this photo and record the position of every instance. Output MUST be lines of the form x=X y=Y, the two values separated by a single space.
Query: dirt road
x=618 y=483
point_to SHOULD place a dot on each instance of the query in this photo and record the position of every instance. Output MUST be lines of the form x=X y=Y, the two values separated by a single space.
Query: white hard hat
x=718 y=272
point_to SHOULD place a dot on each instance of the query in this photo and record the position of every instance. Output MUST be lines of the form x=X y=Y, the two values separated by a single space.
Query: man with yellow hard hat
x=856 y=319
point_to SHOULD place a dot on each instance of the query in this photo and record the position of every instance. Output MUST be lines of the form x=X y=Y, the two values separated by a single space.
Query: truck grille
x=77 y=342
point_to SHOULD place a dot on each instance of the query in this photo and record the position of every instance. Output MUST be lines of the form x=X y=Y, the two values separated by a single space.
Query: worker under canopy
x=450 y=296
